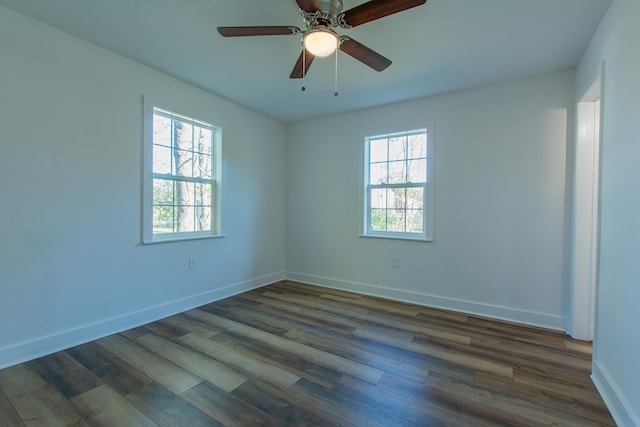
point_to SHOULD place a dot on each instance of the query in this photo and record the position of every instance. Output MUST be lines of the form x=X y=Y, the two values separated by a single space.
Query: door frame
x=585 y=241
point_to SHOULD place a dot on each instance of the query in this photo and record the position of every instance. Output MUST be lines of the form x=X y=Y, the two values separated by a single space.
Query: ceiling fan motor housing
x=328 y=10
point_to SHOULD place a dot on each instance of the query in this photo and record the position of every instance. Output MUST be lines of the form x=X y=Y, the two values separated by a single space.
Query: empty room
x=319 y=213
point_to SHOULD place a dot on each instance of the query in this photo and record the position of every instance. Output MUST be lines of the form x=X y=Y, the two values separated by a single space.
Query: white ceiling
x=443 y=46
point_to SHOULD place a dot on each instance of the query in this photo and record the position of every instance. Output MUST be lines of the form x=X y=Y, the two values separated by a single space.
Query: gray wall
x=71 y=264
x=500 y=171
x=617 y=341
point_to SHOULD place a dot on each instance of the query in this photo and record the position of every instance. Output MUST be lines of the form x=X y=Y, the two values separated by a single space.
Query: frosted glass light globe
x=321 y=42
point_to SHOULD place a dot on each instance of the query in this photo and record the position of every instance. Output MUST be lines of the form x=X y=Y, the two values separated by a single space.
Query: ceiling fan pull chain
x=304 y=67
x=335 y=86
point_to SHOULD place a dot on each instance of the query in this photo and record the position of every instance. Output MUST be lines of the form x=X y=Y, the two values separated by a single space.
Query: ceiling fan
x=319 y=38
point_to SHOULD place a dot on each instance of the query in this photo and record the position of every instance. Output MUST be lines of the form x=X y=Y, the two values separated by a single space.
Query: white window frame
x=148 y=236
x=429 y=185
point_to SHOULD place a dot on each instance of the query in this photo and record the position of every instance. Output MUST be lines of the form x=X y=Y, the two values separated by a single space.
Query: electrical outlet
x=193 y=263
x=395 y=262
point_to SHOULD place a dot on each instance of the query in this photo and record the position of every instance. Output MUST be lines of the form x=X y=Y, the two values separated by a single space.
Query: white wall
x=500 y=170
x=71 y=264
x=617 y=341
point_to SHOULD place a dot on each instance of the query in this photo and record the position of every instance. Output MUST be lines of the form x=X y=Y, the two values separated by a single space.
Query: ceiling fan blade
x=308 y=5
x=376 y=9
x=258 y=31
x=364 y=54
x=305 y=58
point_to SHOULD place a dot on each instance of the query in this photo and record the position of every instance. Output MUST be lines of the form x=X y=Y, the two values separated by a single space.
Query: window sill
x=410 y=239
x=182 y=239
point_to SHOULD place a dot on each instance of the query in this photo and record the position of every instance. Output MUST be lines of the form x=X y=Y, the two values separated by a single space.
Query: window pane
x=161 y=130
x=183 y=163
x=202 y=165
x=415 y=198
x=417 y=171
x=162 y=219
x=162 y=192
x=183 y=134
x=207 y=193
x=161 y=159
x=185 y=198
x=396 y=198
x=185 y=193
x=378 y=198
x=185 y=218
x=378 y=173
x=198 y=201
x=203 y=138
x=417 y=146
x=397 y=172
x=197 y=198
x=378 y=150
x=203 y=218
x=415 y=220
x=396 y=220
x=378 y=219
x=397 y=148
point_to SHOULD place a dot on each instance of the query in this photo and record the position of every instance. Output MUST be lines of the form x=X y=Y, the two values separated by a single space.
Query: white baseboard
x=544 y=320
x=622 y=412
x=42 y=346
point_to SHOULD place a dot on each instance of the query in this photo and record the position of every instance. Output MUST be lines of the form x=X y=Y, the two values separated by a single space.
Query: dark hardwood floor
x=297 y=355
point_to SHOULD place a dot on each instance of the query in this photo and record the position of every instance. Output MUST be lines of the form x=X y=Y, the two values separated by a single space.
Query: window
x=181 y=182
x=398 y=191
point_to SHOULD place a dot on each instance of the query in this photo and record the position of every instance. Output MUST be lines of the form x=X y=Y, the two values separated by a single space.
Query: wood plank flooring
x=291 y=354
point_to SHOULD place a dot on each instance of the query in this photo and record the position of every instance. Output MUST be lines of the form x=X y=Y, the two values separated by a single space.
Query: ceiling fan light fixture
x=321 y=42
